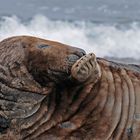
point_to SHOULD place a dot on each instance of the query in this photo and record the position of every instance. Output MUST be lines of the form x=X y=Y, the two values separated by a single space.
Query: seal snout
x=73 y=58
x=76 y=55
x=80 y=52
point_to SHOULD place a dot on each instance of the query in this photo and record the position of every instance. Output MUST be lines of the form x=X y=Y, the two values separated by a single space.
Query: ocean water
x=107 y=28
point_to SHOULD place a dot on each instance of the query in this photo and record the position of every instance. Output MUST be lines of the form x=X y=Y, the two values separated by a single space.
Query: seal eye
x=44 y=46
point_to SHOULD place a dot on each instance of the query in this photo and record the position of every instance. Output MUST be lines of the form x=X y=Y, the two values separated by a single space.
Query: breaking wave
x=103 y=40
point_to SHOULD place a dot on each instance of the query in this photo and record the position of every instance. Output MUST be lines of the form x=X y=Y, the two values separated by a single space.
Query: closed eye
x=44 y=46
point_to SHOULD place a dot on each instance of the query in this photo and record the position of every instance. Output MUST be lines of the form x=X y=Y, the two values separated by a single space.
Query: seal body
x=68 y=95
x=30 y=69
x=112 y=105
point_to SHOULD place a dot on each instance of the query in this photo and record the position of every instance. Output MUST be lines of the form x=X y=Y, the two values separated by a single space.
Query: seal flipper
x=86 y=69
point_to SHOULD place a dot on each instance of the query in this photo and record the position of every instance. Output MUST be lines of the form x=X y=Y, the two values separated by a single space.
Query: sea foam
x=103 y=40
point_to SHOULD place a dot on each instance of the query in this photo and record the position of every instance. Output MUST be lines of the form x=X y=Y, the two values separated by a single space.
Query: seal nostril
x=76 y=55
x=80 y=52
x=73 y=57
x=83 y=52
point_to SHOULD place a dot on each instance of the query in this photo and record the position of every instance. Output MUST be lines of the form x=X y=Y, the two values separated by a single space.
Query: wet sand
x=124 y=60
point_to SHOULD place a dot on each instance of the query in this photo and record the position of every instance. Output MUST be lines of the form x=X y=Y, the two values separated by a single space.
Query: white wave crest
x=103 y=40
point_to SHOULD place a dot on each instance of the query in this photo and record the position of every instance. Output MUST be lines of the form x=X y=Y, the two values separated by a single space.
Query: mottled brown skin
x=65 y=94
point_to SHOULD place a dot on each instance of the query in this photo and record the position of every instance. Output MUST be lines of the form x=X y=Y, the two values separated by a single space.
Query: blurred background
x=109 y=28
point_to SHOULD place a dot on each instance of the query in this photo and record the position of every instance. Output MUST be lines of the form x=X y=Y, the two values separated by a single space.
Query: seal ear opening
x=4 y=124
